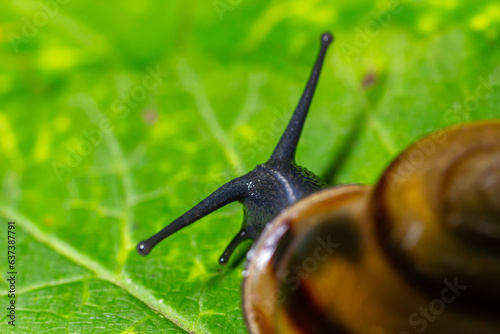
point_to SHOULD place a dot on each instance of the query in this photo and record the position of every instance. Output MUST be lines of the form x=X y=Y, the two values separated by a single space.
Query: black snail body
x=269 y=188
x=419 y=251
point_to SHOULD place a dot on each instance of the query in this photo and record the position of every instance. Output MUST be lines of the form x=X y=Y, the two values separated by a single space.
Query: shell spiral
x=418 y=251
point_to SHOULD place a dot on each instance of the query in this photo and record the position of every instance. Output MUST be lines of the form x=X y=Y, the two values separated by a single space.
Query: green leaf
x=230 y=90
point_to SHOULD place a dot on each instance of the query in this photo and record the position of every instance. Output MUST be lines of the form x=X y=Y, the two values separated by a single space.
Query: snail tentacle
x=238 y=239
x=268 y=189
x=228 y=193
x=285 y=150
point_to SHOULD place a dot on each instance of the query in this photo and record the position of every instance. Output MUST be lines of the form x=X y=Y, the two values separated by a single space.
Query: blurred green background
x=196 y=93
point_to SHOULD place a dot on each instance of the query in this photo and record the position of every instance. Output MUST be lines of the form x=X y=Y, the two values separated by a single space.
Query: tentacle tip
x=143 y=248
x=327 y=38
x=223 y=260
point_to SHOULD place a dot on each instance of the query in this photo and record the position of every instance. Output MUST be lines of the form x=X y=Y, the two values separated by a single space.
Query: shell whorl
x=436 y=209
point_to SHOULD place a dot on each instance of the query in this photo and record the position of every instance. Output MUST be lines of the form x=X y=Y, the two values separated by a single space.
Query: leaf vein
x=138 y=291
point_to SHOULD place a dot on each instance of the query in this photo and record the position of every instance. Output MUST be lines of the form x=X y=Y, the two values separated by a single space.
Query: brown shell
x=395 y=259
x=437 y=210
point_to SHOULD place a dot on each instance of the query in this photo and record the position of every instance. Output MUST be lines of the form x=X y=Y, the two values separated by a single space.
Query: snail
x=418 y=251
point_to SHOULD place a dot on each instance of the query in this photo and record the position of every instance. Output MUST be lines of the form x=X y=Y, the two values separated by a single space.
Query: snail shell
x=419 y=251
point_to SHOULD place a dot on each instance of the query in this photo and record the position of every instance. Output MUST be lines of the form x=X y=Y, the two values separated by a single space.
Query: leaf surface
x=82 y=196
